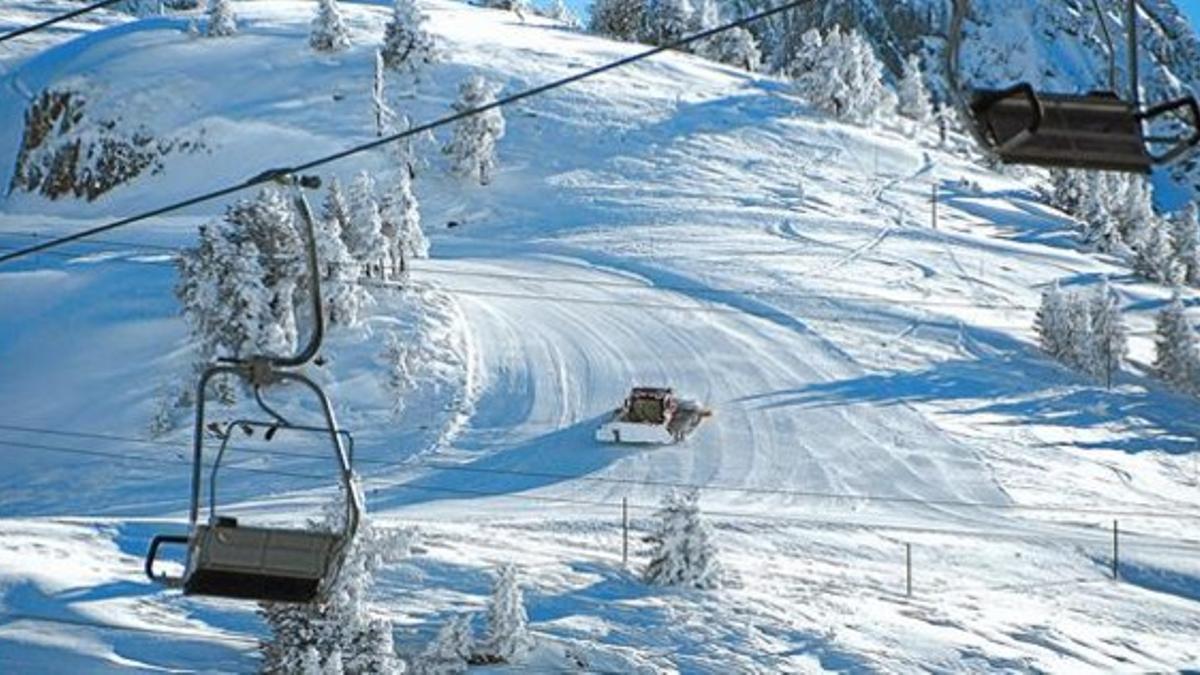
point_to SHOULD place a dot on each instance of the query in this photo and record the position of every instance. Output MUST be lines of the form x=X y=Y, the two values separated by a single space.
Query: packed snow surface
x=874 y=379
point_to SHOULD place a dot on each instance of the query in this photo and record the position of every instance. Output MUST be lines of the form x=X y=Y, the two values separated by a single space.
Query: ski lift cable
x=1019 y=531
x=57 y=19
x=1125 y=512
x=841 y=295
x=271 y=174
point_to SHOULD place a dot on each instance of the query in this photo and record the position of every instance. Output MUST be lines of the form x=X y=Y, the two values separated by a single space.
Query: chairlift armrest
x=1024 y=89
x=1184 y=144
x=152 y=555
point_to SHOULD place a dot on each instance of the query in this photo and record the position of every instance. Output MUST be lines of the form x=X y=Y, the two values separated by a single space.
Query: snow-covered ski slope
x=874 y=379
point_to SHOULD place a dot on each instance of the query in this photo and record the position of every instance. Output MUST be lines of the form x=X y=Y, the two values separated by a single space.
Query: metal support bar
x=908 y=570
x=1132 y=48
x=624 y=531
x=1116 y=552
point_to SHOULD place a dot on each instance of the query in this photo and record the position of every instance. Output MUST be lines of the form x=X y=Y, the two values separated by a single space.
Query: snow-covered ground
x=874 y=379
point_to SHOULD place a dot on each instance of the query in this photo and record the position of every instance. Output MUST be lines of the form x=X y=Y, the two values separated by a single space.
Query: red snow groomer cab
x=652 y=415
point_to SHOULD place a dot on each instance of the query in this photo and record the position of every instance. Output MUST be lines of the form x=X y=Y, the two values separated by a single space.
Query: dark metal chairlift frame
x=1098 y=130
x=228 y=560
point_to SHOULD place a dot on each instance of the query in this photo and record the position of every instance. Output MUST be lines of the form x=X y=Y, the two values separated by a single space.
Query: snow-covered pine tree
x=618 y=19
x=1108 y=331
x=846 y=79
x=1176 y=360
x=1185 y=238
x=1154 y=258
x=329 y=32
x=911 y=92
x=472 y=149
x=1082 y=353
x=557 y=10
x=407 y=46
x=1066 y=189
x=802 y=55
x=268 y=222
x=402 y=362
x=382 y=113
x=666 y=21
x=1050 y=322
x=401 y=217
x=683 y=552
x=334 y=207
x=508 y=639
x=364 y=233
x=343 y=297
x=736 y=47
x=221 y=20
x=450 y=652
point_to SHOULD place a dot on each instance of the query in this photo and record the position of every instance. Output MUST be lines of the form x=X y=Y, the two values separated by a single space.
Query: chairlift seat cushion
x=259 y=563
x=1088 y=131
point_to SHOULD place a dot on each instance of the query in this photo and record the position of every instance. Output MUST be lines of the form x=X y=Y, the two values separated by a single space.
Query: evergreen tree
x=508 y=637
x=618 y=19
x=1185 y=238
x=221 y=20
x=1155 y=259
x=450 y=652
x=666 y=21
x=683 y=553
x=557 y=10
x=846 y=79
x=333 y=208
x=912 y=94
x=364 y=235
x=472 y=149
x=1108 y=329
x=1049 y=322
x=407 y=46
x=329 y=32
x=1175 y=357
x=401 y=216
x=343 y=297
x=736 y=47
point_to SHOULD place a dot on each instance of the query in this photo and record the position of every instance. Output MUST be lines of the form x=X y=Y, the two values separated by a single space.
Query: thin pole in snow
x=1116 y=552
x=624 y=531
x=908 y=570
x=934 y=212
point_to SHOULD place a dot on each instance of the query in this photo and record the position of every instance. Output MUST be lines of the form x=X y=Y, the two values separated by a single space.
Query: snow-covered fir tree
x=451 y=650
x=343 y=297
x=617 y=19
x=557 y=10
x=683 y=553
x=401 y=217
x=402 y=361
x=846 y=79
x=1155 y=257
x=736 y=47
x=1050 y=322
x=1108 y=331
x=221 y=20
x=343 y=628
x=472 y=149
x=329 y=32
x=1176 y=360
x=407 y=46
x=508 y=639
x=364 y=231
x=666 y=21
x=913 y=97
x=1185 y=240
x=381 y=112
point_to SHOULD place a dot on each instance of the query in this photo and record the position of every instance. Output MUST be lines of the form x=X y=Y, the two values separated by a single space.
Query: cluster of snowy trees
x=507 y=638
x=838 y=73
x=1117 y=217
x=1176 y=351
x=1083 y=330
x=662 y=22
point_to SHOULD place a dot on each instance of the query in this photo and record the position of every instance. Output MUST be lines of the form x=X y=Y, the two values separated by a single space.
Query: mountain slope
x=674 y=223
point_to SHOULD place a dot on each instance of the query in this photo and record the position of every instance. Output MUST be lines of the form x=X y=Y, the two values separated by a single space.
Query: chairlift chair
x=274 y=564
x=1097 y=130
